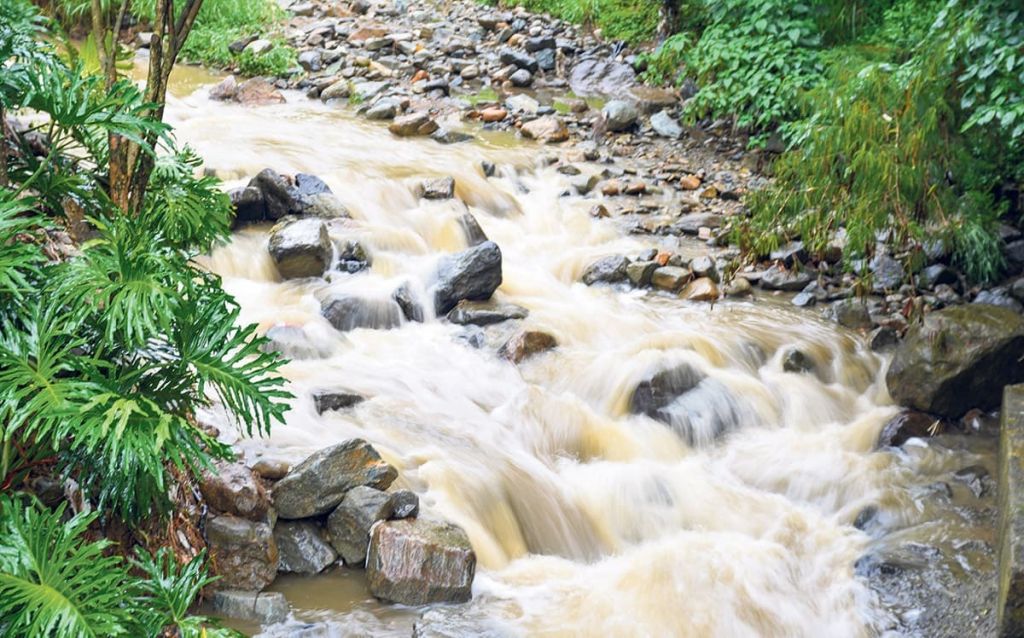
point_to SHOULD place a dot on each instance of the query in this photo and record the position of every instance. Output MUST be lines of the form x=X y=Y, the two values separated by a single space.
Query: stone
x=242 y=552
x=300 y=248
x=448 y=136
x=670 y=278
x=248 y=204
x=883 y=338
x=696 y=407
x=404 y=504
x=909 y=424
x=294 y=343
x=521 y=78
x=640 y=272
x=330 y=400
x=790 y=253
x=583 y=184
x=704 y=266
x=593 y=77
x=521 y=60
x=607 y=270
x=539 y=43
x=693 y=223
x=349 y=524
x=413 y=124
x=340 y=90
x=258 y=46
x=739 y=287
x=411 y=308
x=231 y=488
x=485 y=313
x=778 y=278
x=1010 y=538
x=472 y=274
x=620 y=115
x=310 y=61
x=271 y=469
x=471 y=229
x=225 y=90
x=348 y=312
x=958 y=358
x=261 y=607
x=998 y=297
x=383 y=109
x=366 y=91
x=522 y=103
x=548 y=129
x=318 y=484
x=795 y=360
x=439 y=188
x=527 y=343
x=302 y=547
x=276 y=191
x=493 y=114
x=701 y=289
x=851 y=313
x=352 y=257
x=258 y=92
x=666 y=125
x=936 y=274
x=886 y=273
x=417 y=561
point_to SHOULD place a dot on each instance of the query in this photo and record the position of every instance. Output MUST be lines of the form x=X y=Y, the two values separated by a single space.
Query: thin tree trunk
x=4 y=179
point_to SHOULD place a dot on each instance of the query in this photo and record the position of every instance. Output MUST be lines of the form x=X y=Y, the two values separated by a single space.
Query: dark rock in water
x=350 y=523
x=867 y=518
x=448 y=136
x=483 y=313
x=698 y=408
x=243 y=552
x=300 y=248
x=472 y=274
x=607 y=270
x=851 y=313
x=937 y=274
x=231 y=488
x=347 y=312
x=318 y=484
x=404 y=504
x=471 y=229
x=998 y=297
x=413 y=124
x=526 y=344
x=797 y=361
x=595 y=77
x=439 y=188
x=883 y=339
x=276 y=192
x=411 y=309
x=640 y=272
x=416 y=561
x=249 y=205
x=327 y=400
x=907 y=425
x=488 y=168
x=958 y=358
x=261 y=607
x=352 y=257
x=778 y=278
x=293 y=342
x=663 y=388
x=302 y=547
x=886 y=273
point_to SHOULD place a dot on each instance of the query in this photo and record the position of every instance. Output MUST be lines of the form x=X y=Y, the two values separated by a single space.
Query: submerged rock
x=242 y=552
x=958 y=358
x=350 y=523
x=526 y=344
x=318 y=484
x=907 y=425
x=473 y=274
x=417 y=562
x=439 y=188
x=484 y=313
x=347 y=312
x=327 y=400
x=302 y=547
x=301 y=248
x=698 y=408
x=262 y=607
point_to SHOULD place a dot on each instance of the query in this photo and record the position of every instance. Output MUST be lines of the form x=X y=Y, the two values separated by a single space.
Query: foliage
x=276 y=61
x=629 y=20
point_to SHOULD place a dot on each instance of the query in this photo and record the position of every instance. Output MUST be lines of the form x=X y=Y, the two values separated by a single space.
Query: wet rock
x=976 y=478
x=348 y=312
x=300 y=248
x=302 y=547
x=698 y=408
x=583 y=184
x=471 y=229
x=231 y=488
x=521 y=78
x=472 y=274
x=352 y=257
x=521 y=60
x=329 y=400
x=620 y=115
x=439 y=188
x=404 y=504
x=998 y=297
x=258 y=92
x=958 y=358
x=384 y=109
x=294 y=343
x=248 y=204
x=413 y=124
x=527 y=343
x=704 y=266
x=318 y=484
x=640 y=272
x=909 y=424
x=886 y=273
x=485 y=313
x=522 y=103
x=417 y=561
x=597 y=77
x=778 y=278
x=548 y=129
x=411 y=309
x=447 y=136
x=271 y=469
x=261 y=607
x=883 y=339
x=607 y=270
x=225 y=90
x=666 y=125
x=701 y=289
x=851 y=313
x=242 y=552
x=671 y=278
x=797 y=361
x=276 y=191
x=340 y=90
x=350 y=523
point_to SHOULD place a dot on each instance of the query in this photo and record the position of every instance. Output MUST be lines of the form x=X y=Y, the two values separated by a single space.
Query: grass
x=630 y=20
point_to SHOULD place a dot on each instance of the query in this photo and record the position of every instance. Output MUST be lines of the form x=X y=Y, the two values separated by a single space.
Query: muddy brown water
x=586 y=520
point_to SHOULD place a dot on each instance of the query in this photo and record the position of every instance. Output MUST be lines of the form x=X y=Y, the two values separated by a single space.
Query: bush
x=629 y=20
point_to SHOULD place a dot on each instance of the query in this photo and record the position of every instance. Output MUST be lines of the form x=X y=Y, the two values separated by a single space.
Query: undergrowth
x=629 y=20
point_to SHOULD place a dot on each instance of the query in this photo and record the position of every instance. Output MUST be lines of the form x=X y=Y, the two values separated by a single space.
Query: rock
x=448 y=136
x=640 y=272
x=472 y=274
x=242 y=552
x=522 y=103
x=1014 y=253
x=652 y=99
x=271 y=469
x=521 y=60
x=958 y=358
x=340 y=90
x=790 y=253
x=248 y=204
x=526 y=344
x=883 y=338
x=607 y=270
x=887 y=273
x=310 y=61
x=411 y=308
x=383 y=109
x=348 y=312
x=231 y=488
x=936 y=274
x=693 y=223
x=666 y=126
x=698 y=408
x=702 y=289
x=225 y=90
x=413 y=124
x=620 y=115
x=906 y=425
x=300 y=248
x=417 y=562
x=704 y=266
x=258 y=92
x=851 y=313
x=328 y=400
x=549 y=129
x=294 y=343
x=521 y=78
x=366 y=91
x=261 y=607
x=302 y=547
x=583 y=184
x=778 y=278
x=670 y=278
x=471 y=229
x=404 y=504
x=276 y=190
x=493 y=114
x=485 y=313
x=804 y=300
x=998 y=297
x=350 y=523
x=318 y=484
x=258 y=46
x=592 y=77
x=439 y=188
x=600 y=211
x=352 y=257
x=795 y=360
x=1010 y=539
x=739 y=287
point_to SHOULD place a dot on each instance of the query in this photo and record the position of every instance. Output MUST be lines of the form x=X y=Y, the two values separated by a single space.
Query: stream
x=586 y=519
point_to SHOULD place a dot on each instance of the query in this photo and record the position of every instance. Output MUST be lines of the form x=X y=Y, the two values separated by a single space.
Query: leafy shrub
x=629 y=20
x=276 y=61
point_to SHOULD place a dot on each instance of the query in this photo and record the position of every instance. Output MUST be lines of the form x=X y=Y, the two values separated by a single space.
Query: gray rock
x=262 y=607
x=521 y=60
x=472 y=274
x=704 y=266
x=790 y=253
x=640 y=272
x=383 y=109
x=231 y=488
x=998 y=297
x=294 y=343
x=366 y=91
x=521 y=78
x=310 y=61
x=607 y=270
x=485 y=313
x=692 y=223
x=340 y=90
x=539 y=43
x=300 y=248
x=696 y=407
x=259 y=46
x=883 y=338
x=276 y=192
x=795 y=360
x=412 y=310
x=404 y=504
x=851 y=313
x=545 y=59
x=778 y=278
x=302 y=547
x=448 y=136
x=599 y=77
x=243 y=552
x=937 y=274
x=438 y=188
x=666 y=125
x=670 y=278
x=583 y=184
x=471 y=229
x=887 y=273
x=620 y=115
x=348 y=312
x=416 y=561
x=248 y=204
x=350 y=523
x=522 y=103
x=352 y=257
x=329 y=400
x=413 y=124
x=318 y=484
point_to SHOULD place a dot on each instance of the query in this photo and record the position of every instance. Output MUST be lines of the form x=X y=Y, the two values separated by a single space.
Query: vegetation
x=629 y=20
x=107 y=350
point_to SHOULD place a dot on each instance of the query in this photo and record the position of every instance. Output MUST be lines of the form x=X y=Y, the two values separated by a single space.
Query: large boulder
x=231 y=488
x=302 y=547
x=595 y=77
x=350 y=523
x=698 y=408
x=242 y=552
x=261 y=607
x=300 y=248
x=418 y=561
x=276 y=190
x=620 y=115
x=348 y=312
x=472 y=274
x=318 y=484
x=958 y=358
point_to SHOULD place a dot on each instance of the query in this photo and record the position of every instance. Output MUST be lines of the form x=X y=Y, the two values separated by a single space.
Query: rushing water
x=586 y=520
